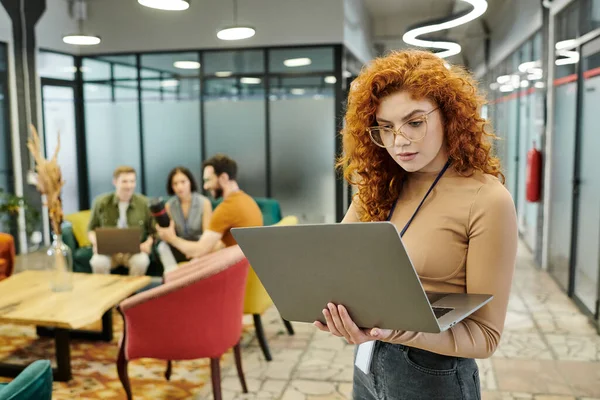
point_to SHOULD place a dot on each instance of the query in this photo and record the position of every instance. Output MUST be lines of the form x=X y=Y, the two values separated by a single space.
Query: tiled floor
x=549 y=351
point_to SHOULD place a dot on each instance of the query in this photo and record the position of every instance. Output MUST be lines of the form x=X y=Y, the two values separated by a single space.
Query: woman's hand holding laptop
x=340 y=324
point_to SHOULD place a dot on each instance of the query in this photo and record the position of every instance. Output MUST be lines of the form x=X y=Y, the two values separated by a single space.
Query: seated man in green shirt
x=122 y=209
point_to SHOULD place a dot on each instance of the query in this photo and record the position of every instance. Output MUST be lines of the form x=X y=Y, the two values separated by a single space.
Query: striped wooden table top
x=26 y=298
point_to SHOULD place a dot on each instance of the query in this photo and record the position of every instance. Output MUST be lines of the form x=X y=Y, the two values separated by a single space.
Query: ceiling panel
x=418 y=8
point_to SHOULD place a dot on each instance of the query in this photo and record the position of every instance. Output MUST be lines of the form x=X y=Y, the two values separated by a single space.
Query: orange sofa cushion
x=3 y=268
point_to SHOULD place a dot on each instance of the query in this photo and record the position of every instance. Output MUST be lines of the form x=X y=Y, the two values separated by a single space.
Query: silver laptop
x=118 y=240
x=363 y=266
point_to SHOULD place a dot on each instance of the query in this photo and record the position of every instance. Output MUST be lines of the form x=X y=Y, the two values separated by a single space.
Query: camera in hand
x=158 y=211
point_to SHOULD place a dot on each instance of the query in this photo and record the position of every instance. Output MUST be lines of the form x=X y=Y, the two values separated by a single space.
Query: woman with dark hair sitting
x=189 y=210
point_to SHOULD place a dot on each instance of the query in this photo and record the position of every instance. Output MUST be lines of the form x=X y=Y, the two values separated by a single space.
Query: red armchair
x=7 y=255
x=193 y=315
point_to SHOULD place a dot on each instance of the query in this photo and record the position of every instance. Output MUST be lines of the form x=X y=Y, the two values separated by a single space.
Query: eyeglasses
x=413 y=130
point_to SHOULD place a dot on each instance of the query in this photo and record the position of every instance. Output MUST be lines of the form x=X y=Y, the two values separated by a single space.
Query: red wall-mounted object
x=533 y=183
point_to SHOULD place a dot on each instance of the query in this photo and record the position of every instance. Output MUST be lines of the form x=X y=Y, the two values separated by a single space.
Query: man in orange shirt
x=238 y=210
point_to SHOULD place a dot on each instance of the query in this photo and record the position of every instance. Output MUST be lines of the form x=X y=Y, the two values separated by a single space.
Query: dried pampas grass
x=49 y=178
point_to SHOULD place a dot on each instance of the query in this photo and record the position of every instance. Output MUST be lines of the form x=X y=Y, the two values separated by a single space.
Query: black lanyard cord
x=422 y=201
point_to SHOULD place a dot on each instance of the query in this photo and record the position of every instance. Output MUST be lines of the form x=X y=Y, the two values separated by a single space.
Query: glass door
x=587 y=254
x=58 y=104
x=563 y=162
x=562 y=220
x=523 y=148
x=512 y=146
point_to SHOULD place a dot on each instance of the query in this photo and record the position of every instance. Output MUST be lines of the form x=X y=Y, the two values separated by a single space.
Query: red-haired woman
x=413 y=124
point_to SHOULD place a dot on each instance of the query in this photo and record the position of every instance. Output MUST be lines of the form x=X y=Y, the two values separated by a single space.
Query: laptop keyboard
x=433 y=297
x=441 y=311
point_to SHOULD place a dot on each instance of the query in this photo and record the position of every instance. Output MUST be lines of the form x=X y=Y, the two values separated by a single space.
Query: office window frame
x=342 y=57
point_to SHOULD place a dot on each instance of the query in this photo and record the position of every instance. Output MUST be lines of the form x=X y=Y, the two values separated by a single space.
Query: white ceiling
x=379 y=8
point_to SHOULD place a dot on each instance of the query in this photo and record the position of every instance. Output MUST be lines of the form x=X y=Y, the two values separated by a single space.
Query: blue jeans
x=404 y=373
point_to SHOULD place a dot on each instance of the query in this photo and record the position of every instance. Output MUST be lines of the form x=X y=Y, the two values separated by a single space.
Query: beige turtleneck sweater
x=463 y=240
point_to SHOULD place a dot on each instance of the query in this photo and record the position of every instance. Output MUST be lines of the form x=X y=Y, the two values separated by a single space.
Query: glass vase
x=60 y=265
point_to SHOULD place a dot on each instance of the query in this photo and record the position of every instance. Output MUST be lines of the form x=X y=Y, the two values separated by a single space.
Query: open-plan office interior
x=125 y=84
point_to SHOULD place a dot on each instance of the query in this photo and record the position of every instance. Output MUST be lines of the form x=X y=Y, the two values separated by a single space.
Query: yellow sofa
x=257 y=300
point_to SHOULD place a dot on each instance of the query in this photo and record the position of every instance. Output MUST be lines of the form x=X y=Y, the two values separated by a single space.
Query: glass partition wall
x=273 y=110
x=584 y=271
x=170 y=117
x=516 y=96
x=235 y=114
x=59 y=111
x=574 y=220
x=301 y=148
x=563 y=160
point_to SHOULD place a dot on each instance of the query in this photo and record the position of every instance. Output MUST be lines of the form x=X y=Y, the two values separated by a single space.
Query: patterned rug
x=94 y=367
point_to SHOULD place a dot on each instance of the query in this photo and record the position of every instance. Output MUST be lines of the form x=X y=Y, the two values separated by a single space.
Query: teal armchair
x=34 y=383
x=81 y=255
x=270 y=208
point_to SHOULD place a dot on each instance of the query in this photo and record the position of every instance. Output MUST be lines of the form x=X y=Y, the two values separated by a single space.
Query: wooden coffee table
x=26 y=299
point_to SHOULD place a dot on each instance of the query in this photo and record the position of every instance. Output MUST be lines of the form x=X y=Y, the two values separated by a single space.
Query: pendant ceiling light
x=79 y=12
x=449 y=48
x=81 y=39
x=250 y=81
x=297 y=62
x=565 y=50
x=187 y=64
x=167 y=5
x=236 y=32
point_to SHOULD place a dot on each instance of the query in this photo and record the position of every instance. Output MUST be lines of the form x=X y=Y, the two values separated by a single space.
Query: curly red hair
x=423 y=75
